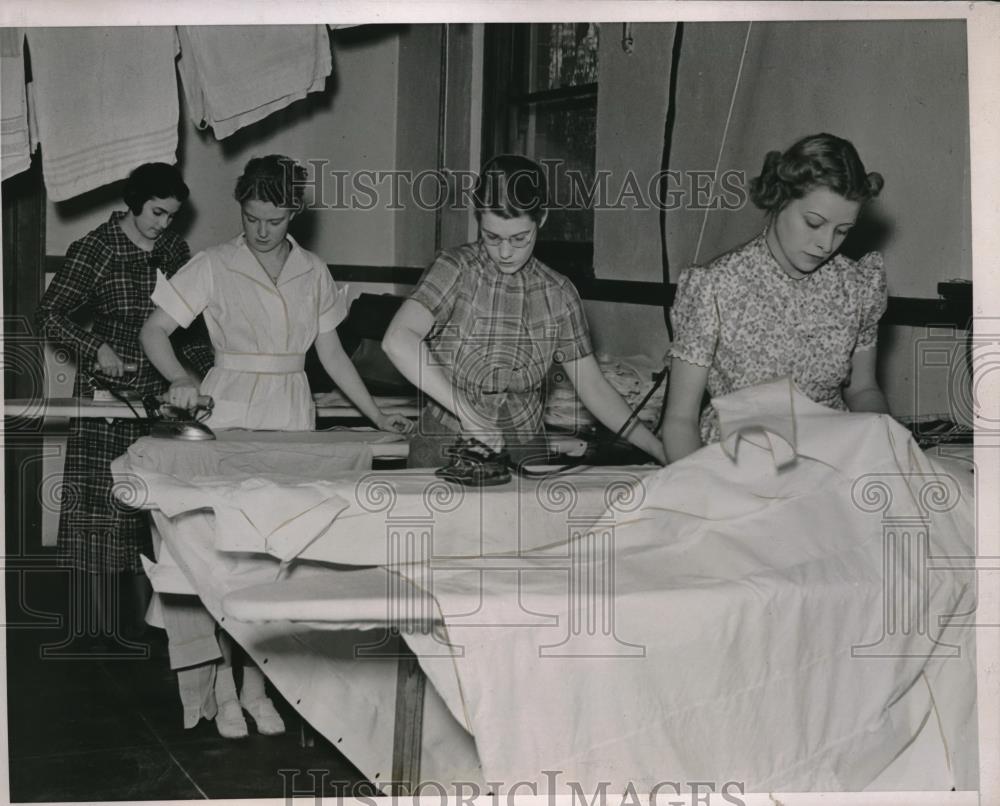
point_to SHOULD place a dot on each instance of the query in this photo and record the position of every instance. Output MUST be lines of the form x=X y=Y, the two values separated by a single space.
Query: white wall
x=351 y=126
x=897 y=89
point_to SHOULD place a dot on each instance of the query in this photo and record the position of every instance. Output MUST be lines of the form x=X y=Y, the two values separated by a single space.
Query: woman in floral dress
x=786 y=303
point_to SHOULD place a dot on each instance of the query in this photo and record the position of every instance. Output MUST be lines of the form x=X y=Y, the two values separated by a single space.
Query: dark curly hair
x=275 y=178
x=819 y=160
x=153 y=180
x=510 y=186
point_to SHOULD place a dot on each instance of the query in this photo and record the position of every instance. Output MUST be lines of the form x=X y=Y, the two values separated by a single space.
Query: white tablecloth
x=715 y=620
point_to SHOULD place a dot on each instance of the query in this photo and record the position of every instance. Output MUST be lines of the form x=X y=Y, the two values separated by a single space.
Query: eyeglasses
x=519 y=241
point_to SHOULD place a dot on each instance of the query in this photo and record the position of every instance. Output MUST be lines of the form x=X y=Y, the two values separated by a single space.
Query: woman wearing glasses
x=482 y=329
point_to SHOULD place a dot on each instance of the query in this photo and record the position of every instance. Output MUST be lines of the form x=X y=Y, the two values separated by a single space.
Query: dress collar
x=296 y=263
x=767 y=257
x=121 y=243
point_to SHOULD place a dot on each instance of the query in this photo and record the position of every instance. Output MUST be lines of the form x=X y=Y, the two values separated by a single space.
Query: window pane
x=565 y=138
x=565 y=55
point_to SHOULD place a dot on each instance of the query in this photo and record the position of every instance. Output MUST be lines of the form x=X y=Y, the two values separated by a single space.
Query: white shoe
x=269 y=722
x=230 y=722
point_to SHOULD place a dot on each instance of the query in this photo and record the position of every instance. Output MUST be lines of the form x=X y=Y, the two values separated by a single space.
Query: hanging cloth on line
x=105 y=100
x=15 y=141
x=236 y=75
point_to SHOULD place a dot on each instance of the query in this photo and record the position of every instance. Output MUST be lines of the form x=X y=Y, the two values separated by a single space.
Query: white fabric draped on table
x=727 y=618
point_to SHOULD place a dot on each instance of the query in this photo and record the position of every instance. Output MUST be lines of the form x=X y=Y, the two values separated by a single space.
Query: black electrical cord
x=668 y=143
x=99 y=381
x=576 y=461
x=151 y=404
x=661 y=376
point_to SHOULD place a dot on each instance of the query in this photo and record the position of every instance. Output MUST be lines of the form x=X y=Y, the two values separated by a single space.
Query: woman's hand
x=183 y=393
x=108 y=362
x=395 y=423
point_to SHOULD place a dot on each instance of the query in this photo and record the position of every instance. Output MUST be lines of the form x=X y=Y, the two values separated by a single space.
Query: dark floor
x=96 y=720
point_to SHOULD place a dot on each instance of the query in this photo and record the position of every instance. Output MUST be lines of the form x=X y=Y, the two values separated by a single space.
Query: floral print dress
x=749 y=322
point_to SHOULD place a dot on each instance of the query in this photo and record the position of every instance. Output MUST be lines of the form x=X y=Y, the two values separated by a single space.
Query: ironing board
x=372 y=709
x=333 y=601
x=332 y=405
x=698 y=538
x=59 y=408
x=360 y=596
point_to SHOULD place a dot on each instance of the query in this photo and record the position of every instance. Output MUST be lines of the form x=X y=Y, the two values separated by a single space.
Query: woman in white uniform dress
x=265 y=301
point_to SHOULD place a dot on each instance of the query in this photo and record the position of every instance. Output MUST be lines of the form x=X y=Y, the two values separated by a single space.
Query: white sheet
x=753 y=593
x=349 y=701
x=742 y=599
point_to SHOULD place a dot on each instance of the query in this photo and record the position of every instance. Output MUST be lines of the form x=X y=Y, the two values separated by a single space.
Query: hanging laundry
x=236 y=75
x=105 y=101
x=15 y=143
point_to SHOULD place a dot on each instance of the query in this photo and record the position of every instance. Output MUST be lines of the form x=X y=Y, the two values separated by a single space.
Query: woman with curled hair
x=785 y=303
x=265 y=301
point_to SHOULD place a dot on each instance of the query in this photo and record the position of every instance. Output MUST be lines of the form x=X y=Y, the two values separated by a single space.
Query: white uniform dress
x=260 y=330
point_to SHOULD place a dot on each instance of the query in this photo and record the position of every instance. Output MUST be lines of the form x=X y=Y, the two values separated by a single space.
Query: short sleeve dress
x=260 y=330
x=108 y=273
x=749 y=322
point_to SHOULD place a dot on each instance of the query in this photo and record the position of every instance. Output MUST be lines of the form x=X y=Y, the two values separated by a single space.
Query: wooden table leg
x=407 y=731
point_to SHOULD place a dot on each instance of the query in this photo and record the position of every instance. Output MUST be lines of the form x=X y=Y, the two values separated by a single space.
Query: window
x=540 y=99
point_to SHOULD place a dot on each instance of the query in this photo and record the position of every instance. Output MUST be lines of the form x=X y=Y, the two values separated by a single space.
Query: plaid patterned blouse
x=107 y=272
x=499 y=334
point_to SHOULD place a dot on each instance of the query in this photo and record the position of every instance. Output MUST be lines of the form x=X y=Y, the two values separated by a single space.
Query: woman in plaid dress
x=112 y=270
x=482 y=329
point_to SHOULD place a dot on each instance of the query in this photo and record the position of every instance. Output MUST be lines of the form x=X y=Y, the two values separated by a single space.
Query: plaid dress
x=499 y=335
x=108 y=273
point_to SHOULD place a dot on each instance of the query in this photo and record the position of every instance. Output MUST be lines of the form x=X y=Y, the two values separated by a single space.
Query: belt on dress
x=273 y=364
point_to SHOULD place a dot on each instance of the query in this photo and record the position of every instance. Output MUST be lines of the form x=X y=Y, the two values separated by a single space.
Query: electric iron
x=166 y=421
x=171 y=422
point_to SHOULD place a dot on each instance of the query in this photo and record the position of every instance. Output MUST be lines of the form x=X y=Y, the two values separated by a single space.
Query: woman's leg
x=255 y=701
x=134 y=592
x=195 y=654
x=229 y=721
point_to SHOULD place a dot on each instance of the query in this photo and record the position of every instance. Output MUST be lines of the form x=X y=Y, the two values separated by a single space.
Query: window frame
x=507 y=114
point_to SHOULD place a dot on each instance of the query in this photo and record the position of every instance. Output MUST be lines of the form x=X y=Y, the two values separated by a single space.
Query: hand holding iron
x=183 y=394
x=108 y=362
x=170 y=421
